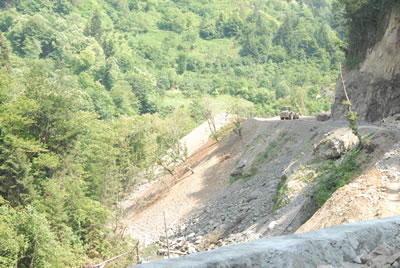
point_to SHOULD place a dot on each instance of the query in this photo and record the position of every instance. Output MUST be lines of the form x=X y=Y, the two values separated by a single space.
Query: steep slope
x=374 y=194
x=254 y=187
x=374 y=85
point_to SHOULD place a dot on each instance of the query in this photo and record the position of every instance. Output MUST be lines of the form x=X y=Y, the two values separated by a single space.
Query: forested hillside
x=94 y=92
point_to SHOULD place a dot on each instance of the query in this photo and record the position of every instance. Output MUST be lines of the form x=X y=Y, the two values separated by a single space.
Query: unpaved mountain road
x=201 y=202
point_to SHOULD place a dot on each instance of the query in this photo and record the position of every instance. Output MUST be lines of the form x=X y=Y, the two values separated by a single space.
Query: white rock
x=357 y=259
x=272 y=225
x=191 y=235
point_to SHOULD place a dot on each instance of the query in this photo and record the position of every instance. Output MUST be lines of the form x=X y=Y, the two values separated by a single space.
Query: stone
x=323 y=116
x=272 y=225
x=394 y=258
x=191 y=250
x=354 y=243
x=350 y=265
x=393 y=187
x=241 y=164
x=396 y=264
x=335 y=144
x=357 y=259
x=325 y=246
x=382 y=250
x=389 y=165
x=364 y=258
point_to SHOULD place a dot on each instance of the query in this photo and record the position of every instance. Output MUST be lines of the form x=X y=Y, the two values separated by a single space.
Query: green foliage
x=95 y=95
x=28 y=241
x=95 y=27
x=365 y=25
x=4 y=52
x=202 y=110
x=280 y=197
x=352 y=119
x=335 y=176
x=271 y=151
x=240 y=109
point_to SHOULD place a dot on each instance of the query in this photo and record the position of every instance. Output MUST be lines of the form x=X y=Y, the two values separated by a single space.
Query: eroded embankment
x=337 y=246
x=257 y=186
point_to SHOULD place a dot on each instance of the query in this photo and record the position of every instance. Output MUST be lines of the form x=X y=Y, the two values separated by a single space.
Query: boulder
x=390 y=163
x=335 y=144
x=241 y=164
x=323 y=116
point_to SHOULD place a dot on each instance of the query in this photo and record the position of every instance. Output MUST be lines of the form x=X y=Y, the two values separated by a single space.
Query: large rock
x=332 y=246
x=323 y=116
x=335 y=144
x=390 y=164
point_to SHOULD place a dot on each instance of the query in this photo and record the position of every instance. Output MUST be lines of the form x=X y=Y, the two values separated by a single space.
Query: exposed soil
x=207 y=209
x=370 y=196
x=374 y=194
x=178 y=196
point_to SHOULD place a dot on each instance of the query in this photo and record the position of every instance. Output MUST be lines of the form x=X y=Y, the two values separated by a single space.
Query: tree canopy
x=94 y=94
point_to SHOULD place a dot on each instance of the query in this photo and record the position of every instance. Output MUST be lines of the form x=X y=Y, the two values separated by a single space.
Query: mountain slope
x=262 y=185
x=373 y=84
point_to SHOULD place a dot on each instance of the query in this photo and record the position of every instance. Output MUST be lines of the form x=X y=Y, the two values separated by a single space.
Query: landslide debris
x=259 y=186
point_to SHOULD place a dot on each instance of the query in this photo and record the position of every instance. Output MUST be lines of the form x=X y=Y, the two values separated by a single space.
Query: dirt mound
x=374 y=194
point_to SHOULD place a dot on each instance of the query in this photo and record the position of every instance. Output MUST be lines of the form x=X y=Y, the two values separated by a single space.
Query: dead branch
x=109 y=260
x=102 y=264
x=163 y=251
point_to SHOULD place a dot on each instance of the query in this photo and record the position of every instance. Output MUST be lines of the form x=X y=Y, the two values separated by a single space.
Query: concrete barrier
x=334 y=246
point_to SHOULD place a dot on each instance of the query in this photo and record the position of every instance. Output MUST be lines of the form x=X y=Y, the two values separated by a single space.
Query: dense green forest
x=94 y=92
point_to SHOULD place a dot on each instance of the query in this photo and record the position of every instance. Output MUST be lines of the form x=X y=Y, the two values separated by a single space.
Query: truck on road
x=288 y=114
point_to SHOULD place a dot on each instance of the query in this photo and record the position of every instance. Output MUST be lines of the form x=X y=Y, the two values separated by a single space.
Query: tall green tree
x=4 y=52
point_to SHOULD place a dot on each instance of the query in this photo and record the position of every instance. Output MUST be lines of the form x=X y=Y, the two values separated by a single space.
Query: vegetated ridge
x=95 y=93
x=276 y=185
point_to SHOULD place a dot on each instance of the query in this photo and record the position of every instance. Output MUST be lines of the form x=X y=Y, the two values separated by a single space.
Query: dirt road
x=207 y=204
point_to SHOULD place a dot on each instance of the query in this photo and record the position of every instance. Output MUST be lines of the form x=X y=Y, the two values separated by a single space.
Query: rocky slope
x=255 y=187
x=365 y=244
x=373 y=194
x=374 y=85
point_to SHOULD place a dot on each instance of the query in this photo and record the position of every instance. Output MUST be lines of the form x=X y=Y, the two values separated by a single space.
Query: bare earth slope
x=231 y=197
x=374 y=194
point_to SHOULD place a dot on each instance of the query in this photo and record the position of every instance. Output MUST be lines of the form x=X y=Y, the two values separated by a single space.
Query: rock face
x=337 y=246
x=374 y=86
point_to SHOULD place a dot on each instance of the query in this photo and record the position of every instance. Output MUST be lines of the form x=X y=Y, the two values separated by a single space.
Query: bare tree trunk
x=166 y=234
x=351 y=116
x=344 y=89
x=138 y=261
x=34 y=252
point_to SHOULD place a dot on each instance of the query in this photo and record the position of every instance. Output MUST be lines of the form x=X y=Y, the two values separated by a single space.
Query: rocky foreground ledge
x=348 y=245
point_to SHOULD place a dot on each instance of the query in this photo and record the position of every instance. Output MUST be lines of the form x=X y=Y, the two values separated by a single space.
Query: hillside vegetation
x=93 y=93
x=365 y=22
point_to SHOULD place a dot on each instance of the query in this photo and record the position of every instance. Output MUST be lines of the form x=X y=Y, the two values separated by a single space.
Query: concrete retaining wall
x=332 y=246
